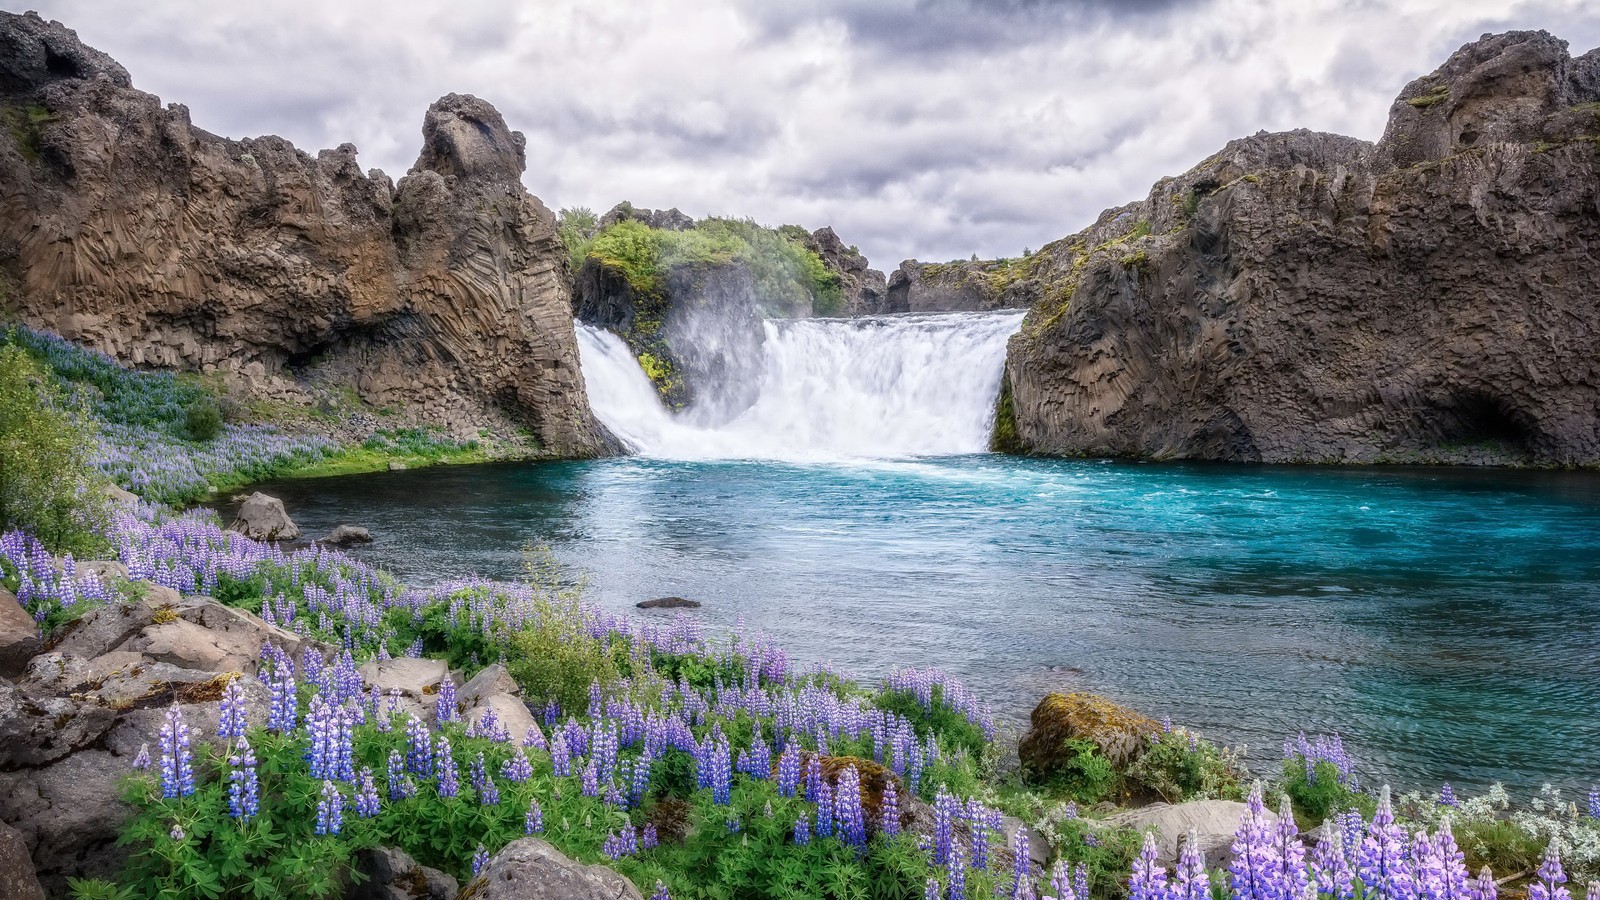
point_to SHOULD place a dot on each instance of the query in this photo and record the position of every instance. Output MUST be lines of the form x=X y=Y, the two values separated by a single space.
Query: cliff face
x=861 y=286
x=978 y=285
x=1306 y=297
x=444 y=299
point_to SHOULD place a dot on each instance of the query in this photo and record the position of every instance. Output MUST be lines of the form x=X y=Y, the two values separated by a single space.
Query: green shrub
x=577 y=227
x=1322 y=793
x=1085 y=775
x=48 y=485
x=1175 y=771
x=202 y=419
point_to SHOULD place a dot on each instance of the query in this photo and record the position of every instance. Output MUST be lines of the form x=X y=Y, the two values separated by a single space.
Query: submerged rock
x=530 y=869
x=263 y=518
x=668 y=603
x=346 y=536
x=1119 y=734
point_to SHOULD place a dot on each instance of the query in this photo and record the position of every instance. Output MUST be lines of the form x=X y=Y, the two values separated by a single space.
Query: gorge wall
x=1306 y=297
x=444 y=299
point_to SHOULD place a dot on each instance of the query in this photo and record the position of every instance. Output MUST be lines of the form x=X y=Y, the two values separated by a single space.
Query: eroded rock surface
x=1305 y=297
x=444 y=299
x=530 y=869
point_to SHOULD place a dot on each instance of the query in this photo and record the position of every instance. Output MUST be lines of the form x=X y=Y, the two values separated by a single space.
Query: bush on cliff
x=48 y=486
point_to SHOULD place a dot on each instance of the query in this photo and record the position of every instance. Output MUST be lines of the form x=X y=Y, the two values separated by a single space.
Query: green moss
x=1141 y=229
x=27 y=128
x=1436 y=94
x=1004 y=438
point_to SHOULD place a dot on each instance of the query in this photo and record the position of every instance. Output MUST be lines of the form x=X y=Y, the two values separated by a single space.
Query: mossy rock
x=1118 y=733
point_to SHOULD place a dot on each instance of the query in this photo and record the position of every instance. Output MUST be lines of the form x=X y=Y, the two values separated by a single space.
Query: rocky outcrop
x=672 y=219
x=1117 y=733
x=391 y=874
x=530 y=869
x=862 y=288
x=263 y=518
x=444 y=299
x=17 y=878
x=1306 y=297
x=19 y=636
x=975 y=286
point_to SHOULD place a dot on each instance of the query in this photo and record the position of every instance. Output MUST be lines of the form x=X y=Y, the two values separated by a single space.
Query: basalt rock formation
x=974 y=286
x=864 y=288
x=1306 y=297
x=442 y=300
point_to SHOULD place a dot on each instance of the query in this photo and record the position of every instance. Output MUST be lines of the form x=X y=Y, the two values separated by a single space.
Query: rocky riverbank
x=1304 y=297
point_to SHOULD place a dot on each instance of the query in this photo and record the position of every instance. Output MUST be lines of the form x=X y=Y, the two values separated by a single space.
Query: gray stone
x=509 y=711
x=36 y=729
x=346 y=535
x=120 y=497
x=19 y=636
x=58 y=674
x=263 y=518
x=396 y=465
x=668 y=603
x=530 y=869
x=492 y=679
x=1214 y=823
x=107 y=570
x=69 y=813
x=393 y=875
x=17 y=878
x=1038 y=848
x=413 y=677
x=105 y=628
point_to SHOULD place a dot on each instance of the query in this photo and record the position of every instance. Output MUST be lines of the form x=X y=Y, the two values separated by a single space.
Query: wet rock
x=413 y=677
x=668 y=603
x=1120 y=734
x=530 y=869
x=1214 y=823
x=19 y=636
x=346 y=536
x=17 y=878
x=262 y=518
x=393 y=875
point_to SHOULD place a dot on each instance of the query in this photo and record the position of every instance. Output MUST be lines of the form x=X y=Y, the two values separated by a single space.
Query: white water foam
x=884 y=387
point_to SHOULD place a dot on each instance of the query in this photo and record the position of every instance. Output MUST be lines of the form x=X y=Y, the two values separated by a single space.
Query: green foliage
x=1500 y=844
x=1004 y=437
x=553 y=656
x=1107 y=852
x=1140 y=229
x=97 y=889
x=577 y=227
x=48 y=485
x=950 y=727
x=1085 y=775
x=27 y=129
x=202 y=419
x=427 y=443
x=1176 y=772
x=1321 y=794
x=634 y=249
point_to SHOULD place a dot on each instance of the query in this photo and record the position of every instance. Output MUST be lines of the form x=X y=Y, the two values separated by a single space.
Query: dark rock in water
x=17 y=878
x=19 y=636
x=346 y=535
x=393 y=875
x=1305 y=297
x=263 y=518
x=668 y=603
x=530 y=869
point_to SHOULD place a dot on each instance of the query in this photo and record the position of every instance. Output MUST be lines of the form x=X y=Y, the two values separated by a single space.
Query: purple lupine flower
x=622 y=843
x=648 y=838
x=1384 y=861
x=283 y=707
x=1454 y=880
x=946 y=809
x=231 y=722
x=244 y=787
x=444 y=708
x=395 y=776
x=517 y=769
x=591 y=779
x=1593 y=893
x=661 y=892
x=1594 y=802
x=788 y=771
x=330 y=809
x=1331 y=862
x=847 y=809
x=444 y=762
x=1256 y=867
x=533 y=822
x=1427 y=867
x=533 y=738
x=1447 y=796
x=560 y=759
x=1149 y=878
x=1550 y=881
x=824 y=823
x=366 y=794
x=419 y=749
x=141 y=760
x=1080 y=881
x=958 y=874
x=1190 y=881
x=1061 y=881
x=889 y=811
x=802 y=830
x=931 y=890
x=1483 y=887
x=721 y=774
x=1022 y=869
x=480 y=858
x=814 y=780
x=177 y=762
x=1293 y=877
x=978 y=826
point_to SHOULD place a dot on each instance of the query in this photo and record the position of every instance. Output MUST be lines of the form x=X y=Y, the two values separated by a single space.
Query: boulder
x=668 y=603
x=492 y=680
x=1214 y=823
x=346 y=536
x=412 y=677
x=36 y=729
x=396 y=465
x=530 y=869
x=1038 y=847
x=69 y=813
x=188 y=632
x=393 y=875
x=17 y=878
x=262 y=518
x=1120 y=734
x=57 y=674
x=19 y=636
x=106 y=627
x=509 y=711
x=120 y=497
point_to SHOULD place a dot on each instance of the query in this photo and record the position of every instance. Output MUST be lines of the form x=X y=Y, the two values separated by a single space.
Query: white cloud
x=931 y=129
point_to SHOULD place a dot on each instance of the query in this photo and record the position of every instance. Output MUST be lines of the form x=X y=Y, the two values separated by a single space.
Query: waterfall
x=873 y=387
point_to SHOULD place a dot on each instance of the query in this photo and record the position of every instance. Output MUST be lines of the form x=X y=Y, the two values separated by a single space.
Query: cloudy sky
x=917 y=128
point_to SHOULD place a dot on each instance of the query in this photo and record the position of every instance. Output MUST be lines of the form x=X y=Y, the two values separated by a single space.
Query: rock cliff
x=975 y=286
x=1305 y=297
x=444 y=299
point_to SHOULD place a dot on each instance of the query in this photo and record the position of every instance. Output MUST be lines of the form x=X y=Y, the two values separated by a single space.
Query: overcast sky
x=917 y=128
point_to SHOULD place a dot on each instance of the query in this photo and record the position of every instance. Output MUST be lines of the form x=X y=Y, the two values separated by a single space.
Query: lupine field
x=697 y=764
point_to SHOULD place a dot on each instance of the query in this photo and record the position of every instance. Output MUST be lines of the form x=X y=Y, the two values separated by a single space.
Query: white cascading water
x=869 y=387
